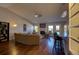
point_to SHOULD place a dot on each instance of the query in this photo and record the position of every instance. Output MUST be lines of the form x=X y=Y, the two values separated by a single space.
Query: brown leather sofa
x=32 y=39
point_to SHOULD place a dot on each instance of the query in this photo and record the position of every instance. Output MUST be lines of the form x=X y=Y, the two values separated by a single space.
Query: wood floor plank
x=14 y=48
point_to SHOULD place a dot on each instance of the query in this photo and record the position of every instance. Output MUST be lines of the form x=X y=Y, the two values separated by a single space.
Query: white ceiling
x=50 y=12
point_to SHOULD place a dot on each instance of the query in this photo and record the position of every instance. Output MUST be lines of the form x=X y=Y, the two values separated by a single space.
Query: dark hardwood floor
x=13 y=48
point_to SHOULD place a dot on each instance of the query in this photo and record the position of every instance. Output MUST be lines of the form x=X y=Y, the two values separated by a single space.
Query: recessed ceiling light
x=37 y=15
x=64 y=14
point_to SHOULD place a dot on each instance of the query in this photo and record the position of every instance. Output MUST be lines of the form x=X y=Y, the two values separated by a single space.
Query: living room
x=29 y=26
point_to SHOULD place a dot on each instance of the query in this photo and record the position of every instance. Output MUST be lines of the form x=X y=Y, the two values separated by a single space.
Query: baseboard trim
x=70 y=53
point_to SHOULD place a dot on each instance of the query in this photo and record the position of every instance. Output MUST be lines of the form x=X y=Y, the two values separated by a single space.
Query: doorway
x=4 y=31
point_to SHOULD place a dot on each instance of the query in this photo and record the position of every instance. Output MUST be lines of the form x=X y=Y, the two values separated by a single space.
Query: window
x=65 y=30
x=57 y=29
x=36 y=28
x=50 y=28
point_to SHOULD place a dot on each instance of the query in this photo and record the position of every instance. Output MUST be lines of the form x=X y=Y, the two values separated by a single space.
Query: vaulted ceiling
x=49 y=12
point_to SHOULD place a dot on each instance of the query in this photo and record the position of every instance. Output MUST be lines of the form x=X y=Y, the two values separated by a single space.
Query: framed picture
x=24 y=27
x=42 y=25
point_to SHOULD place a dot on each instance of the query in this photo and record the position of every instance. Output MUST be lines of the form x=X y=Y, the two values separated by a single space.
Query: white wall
x=8 y=16
x=62 y=23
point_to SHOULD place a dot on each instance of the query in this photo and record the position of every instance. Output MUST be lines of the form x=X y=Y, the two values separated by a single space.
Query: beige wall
x=8 y=16
x=74 y=31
